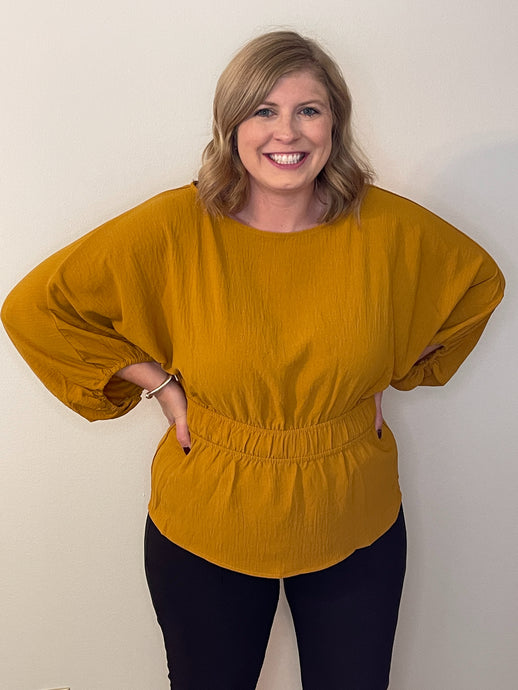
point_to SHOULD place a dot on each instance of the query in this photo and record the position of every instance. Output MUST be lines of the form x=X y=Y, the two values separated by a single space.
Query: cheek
x=326 y=143
x=247 y=137
x=324 y=137
x=247 y=147
x=240 y=136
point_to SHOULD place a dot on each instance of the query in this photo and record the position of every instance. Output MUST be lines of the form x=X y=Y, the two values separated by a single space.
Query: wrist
x=158 y=390
x=147 y=375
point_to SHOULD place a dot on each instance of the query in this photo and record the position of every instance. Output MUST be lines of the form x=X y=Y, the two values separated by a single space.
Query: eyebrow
x=314 y=101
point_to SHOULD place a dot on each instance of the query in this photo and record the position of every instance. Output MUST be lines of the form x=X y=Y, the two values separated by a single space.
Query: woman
x=265 y=308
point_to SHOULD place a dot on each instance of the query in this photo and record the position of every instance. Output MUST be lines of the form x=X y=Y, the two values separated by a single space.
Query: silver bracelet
x=151 y=394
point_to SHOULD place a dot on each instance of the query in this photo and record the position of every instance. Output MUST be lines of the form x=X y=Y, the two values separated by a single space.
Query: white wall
x=105 y=104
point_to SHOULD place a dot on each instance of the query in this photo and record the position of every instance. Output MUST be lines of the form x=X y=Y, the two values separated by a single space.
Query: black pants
x=216 y=622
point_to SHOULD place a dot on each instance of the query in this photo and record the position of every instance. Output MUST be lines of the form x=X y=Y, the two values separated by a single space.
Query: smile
x=286 y=158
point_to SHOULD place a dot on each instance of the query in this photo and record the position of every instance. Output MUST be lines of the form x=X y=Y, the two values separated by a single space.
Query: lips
x=286 y=158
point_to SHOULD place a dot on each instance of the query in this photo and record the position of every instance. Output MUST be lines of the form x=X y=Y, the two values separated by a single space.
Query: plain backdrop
x=105 y=104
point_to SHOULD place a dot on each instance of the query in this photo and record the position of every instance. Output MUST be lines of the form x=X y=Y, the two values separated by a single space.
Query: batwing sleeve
x=445 y=288
x=93 y=308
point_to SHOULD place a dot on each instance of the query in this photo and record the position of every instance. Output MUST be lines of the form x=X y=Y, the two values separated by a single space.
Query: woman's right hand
x=150 y=375
x=173 y=402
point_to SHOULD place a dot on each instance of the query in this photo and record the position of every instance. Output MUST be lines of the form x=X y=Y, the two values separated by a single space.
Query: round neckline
x=228 y=220
x=305 y=232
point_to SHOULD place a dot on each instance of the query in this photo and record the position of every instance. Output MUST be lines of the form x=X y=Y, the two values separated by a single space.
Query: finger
x=378 y=422
x=182 y=433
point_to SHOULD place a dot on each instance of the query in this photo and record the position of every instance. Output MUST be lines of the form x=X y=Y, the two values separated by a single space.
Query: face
x=286 y=142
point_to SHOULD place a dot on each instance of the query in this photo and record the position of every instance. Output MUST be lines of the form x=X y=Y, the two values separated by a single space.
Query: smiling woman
x=245 y=89
x=283 y=146
x=266 y=308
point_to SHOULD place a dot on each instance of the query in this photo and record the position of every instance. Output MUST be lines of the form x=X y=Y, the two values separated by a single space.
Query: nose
x=286 y=129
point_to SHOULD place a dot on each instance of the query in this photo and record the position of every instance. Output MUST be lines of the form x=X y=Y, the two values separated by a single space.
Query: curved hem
x=327 y=564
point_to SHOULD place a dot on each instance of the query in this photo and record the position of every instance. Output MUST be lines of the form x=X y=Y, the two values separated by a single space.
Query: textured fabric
x=216 y=622
x=280 y=341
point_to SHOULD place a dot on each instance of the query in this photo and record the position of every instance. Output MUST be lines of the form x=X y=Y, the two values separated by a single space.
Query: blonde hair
x=223 y=184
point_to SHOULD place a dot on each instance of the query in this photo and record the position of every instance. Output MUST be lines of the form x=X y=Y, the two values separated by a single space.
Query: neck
x=282 y=211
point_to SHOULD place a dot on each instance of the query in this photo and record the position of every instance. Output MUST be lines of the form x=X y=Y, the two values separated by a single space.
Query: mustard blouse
x=280 y=341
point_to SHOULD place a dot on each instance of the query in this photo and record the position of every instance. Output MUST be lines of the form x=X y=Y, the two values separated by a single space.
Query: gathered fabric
x=280 y=341
x=276 y=502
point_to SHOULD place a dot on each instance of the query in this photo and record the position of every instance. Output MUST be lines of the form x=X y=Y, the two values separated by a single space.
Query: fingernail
x=378 y=431
x=186 y=450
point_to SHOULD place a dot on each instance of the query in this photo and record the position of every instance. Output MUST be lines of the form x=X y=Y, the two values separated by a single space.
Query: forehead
x=302 y=83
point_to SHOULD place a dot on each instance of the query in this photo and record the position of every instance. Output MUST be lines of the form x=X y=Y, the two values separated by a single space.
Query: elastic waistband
x=302 y=443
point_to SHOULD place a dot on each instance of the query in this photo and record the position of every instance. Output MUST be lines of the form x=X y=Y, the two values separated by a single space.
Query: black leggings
x=216 y=622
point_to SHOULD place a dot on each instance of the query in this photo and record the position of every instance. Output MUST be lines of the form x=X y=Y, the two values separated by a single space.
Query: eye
x=263 y=112
x=309 y=111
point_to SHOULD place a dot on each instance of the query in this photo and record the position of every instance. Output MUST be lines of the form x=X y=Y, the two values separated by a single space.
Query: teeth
x=286 y=158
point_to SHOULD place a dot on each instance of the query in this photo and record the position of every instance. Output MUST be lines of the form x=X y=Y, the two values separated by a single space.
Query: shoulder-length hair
x=223 y=183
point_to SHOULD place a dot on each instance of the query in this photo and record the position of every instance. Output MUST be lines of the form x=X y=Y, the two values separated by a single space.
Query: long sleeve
x=281 y=339
x=95 y=307
x=445 y=288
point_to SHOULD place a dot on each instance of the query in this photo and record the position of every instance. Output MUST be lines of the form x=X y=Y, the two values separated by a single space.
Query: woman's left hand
x=379 y=414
